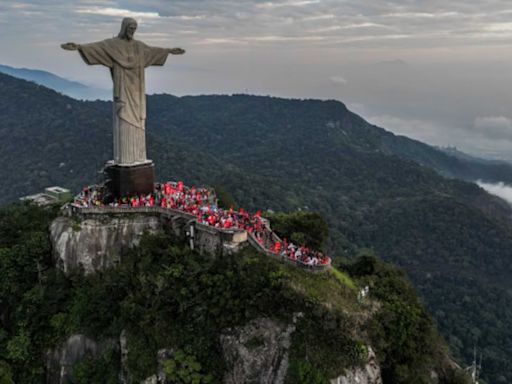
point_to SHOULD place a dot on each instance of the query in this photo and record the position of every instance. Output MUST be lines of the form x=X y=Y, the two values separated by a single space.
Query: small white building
x=51 y=195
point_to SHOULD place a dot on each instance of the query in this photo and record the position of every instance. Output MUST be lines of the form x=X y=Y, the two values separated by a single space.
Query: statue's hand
x=176 y=51
x=70 y=46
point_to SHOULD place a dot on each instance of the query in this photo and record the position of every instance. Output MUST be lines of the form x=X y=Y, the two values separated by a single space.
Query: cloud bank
x=500 y=189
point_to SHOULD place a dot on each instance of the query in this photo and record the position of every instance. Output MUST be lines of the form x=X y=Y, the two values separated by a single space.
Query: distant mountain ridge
x=70 y=88
x=376 y=189
x=447 y=161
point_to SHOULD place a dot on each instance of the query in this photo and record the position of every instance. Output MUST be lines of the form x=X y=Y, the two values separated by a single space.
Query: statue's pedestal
x=130 y=180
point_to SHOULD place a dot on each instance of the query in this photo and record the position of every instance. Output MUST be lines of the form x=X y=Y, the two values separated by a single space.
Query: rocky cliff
x=258 y=352
x=369 y=373
x=61 y=361
x=255 y=353
x=94 y=239
x=95 y=244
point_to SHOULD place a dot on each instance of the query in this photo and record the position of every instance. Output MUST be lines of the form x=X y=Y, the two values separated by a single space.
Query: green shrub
x=300 y=227
x=182 y=368
x=101 y=370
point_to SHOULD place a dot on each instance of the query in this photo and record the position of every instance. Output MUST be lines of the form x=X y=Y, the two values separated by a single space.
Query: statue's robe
x=126 y=60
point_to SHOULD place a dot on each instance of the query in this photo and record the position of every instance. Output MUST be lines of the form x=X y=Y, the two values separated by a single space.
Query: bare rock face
x=151 y=380
x=95 y=244
x=123 y=348
x=258 y=352
x=59 y=362
x=368 y=374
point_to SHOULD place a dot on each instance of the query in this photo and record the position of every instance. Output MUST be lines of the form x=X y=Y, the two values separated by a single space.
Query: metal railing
x=171 y=212
x=261 y=248
x=102 y=210
x=122 y=210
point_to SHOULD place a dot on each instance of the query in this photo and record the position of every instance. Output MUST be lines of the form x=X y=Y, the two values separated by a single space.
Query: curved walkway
x=170 y=212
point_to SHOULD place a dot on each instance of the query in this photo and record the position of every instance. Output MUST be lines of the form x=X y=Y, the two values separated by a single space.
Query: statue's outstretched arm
x=70 y=46
x=176 y=51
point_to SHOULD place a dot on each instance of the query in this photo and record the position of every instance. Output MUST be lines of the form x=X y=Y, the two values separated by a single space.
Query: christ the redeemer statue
x=126 y=58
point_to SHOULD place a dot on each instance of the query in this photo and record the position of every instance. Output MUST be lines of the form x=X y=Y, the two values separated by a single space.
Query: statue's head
x=128 y=27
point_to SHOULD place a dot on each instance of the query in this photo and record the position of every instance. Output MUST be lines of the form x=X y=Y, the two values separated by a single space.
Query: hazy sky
x=439 y=71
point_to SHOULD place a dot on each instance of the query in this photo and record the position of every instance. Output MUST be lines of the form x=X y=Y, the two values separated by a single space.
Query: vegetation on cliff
x=166 y=296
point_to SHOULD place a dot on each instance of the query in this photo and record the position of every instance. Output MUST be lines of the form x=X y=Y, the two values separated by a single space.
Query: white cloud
x=299 y=3
x=498 y=27
x=338 y=80
x=117 y=12
x=326 y=29
x=220 y=41
x=421 y=15
x=327 y=16
x=371 y=37
x=275 y=38
x=259 y=39
x=500 y=189
x=21 y=6
x=187 y=17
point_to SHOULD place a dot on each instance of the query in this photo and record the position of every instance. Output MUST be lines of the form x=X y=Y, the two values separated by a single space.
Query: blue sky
x=439 y=71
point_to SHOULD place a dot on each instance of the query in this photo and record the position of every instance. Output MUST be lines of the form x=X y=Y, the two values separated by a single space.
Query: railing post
x=191 y=233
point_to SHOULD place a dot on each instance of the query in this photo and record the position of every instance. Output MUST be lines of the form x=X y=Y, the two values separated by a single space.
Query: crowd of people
x=201 y=202
x=301 y=253
x=166 y=195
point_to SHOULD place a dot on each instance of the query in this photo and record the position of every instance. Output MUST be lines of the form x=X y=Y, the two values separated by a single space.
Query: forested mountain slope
x=265 y=124
x=375 y=189
x=60 y=84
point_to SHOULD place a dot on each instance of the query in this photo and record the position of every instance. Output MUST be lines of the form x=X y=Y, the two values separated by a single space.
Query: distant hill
x=50 y=80
x=375 y=189
x=455 y=152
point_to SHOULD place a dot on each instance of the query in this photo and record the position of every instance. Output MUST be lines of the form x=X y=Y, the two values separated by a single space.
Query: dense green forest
x=165 y=295
x=375 y=189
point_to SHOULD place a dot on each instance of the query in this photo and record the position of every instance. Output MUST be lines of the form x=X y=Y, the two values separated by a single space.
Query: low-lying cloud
x=499 y=189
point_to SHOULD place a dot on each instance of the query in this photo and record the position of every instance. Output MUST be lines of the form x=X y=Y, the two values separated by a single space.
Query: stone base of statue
x=130 y=180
